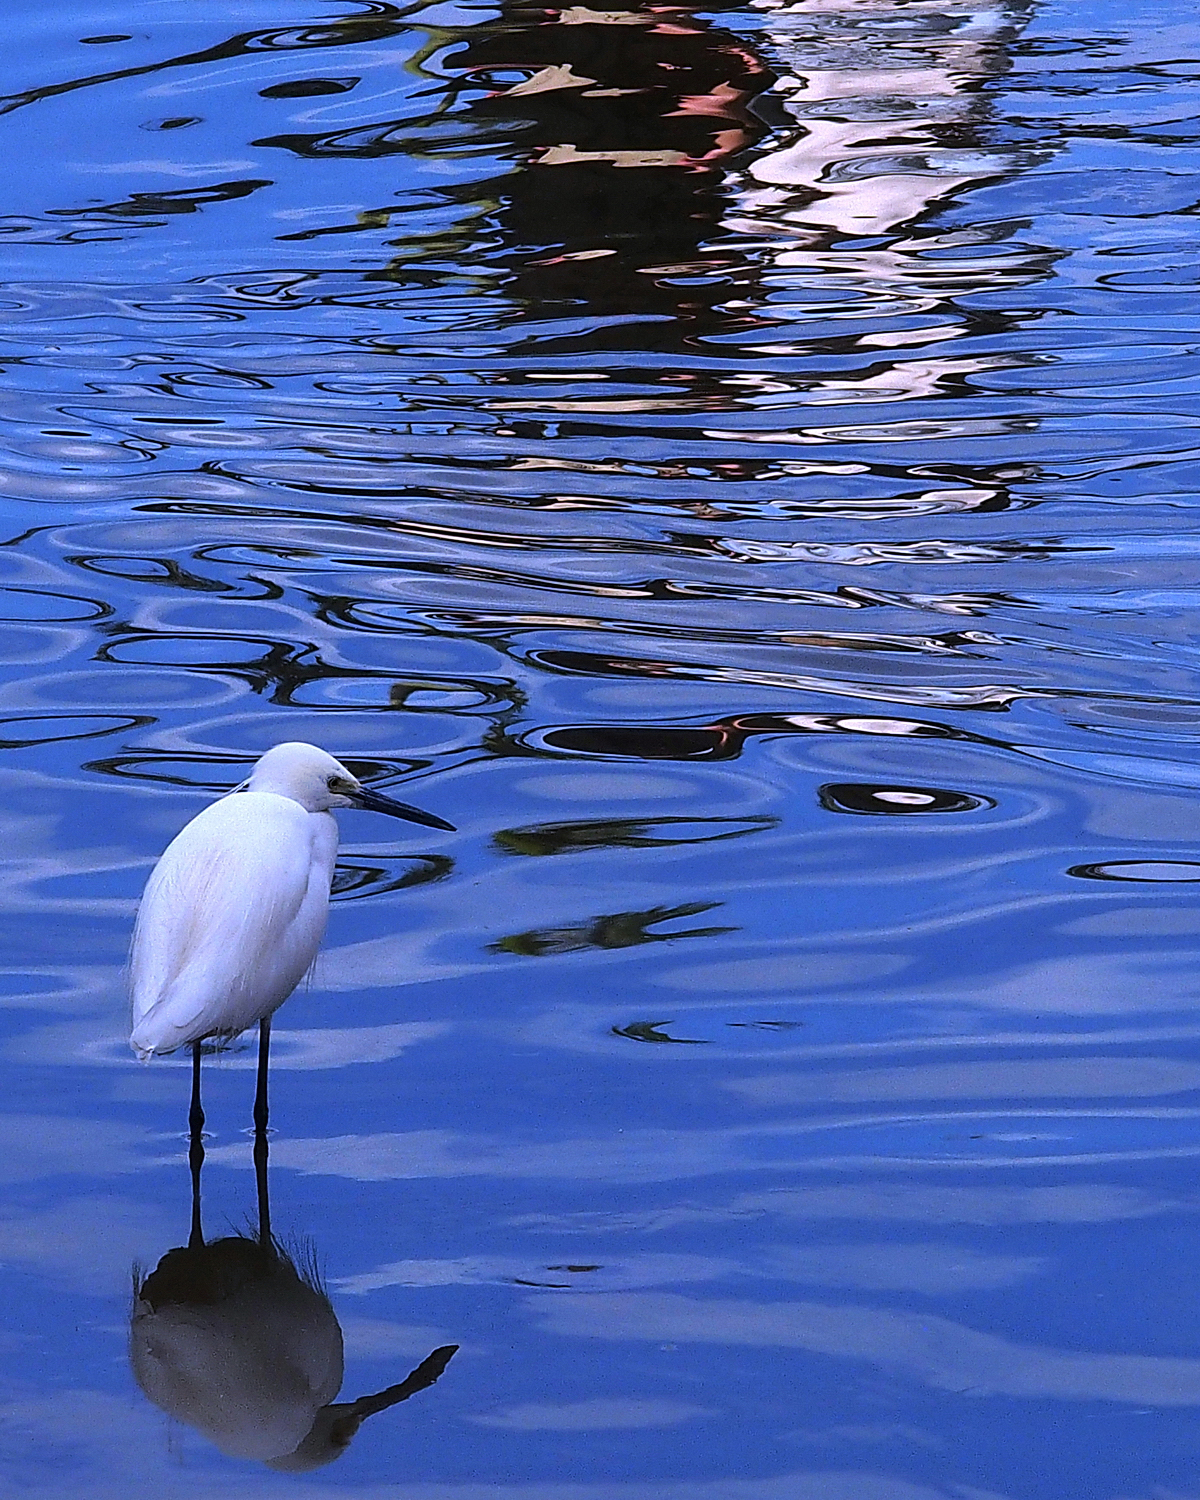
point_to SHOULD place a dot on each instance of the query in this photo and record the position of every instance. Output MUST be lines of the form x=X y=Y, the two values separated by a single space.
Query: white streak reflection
x=601 y=1414
x=1040 y=1078
x=916 y=1203
x=934 y=1351
x=974 y=1139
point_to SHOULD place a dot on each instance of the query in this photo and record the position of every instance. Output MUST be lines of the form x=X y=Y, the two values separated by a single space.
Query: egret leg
x=260 y=1132
x=196 y=1149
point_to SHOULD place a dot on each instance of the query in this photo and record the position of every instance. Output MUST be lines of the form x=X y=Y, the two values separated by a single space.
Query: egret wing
x=230 y=921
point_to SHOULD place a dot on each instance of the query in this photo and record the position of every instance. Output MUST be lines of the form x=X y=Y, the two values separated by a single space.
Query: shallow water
x=739 y=468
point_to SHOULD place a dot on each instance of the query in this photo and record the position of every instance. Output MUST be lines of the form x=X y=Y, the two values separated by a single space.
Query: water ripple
x=747 y=459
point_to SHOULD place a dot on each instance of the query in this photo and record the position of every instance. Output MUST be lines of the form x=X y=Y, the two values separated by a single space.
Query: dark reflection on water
x=352 y=882
x=750 y=451
x=651 y=1031
x=1140 y=870
x=234 y=1339
x=623 y=929
x=855 y=797
x=622 y=833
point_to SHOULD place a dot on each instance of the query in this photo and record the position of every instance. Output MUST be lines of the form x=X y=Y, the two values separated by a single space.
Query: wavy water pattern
x=739 y=466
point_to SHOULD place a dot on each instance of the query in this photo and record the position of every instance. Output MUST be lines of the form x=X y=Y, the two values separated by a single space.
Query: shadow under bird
x=233 y=915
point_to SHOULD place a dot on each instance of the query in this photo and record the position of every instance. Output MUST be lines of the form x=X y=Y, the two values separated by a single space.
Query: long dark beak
x=377 y=802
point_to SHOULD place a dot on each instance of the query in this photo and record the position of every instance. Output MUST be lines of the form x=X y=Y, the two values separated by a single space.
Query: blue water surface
x=738 y=466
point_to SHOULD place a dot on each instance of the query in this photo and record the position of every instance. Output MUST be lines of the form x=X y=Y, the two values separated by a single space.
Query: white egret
x=233 y=914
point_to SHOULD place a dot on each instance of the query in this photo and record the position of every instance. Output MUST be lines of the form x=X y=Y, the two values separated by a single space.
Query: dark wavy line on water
x=382 y=20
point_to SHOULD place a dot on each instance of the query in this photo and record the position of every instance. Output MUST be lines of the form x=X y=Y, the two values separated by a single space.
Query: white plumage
x=234 y=912
x=231 y=919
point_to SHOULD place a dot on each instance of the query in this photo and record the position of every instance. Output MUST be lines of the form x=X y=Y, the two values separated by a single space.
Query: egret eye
x=332 y=783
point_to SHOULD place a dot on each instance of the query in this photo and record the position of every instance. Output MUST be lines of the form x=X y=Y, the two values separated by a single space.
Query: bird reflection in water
x=233 y=1338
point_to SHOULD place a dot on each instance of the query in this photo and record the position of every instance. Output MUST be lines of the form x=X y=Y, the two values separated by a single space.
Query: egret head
x=336 y=1424
x=311 y=777
x=328 y=1438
